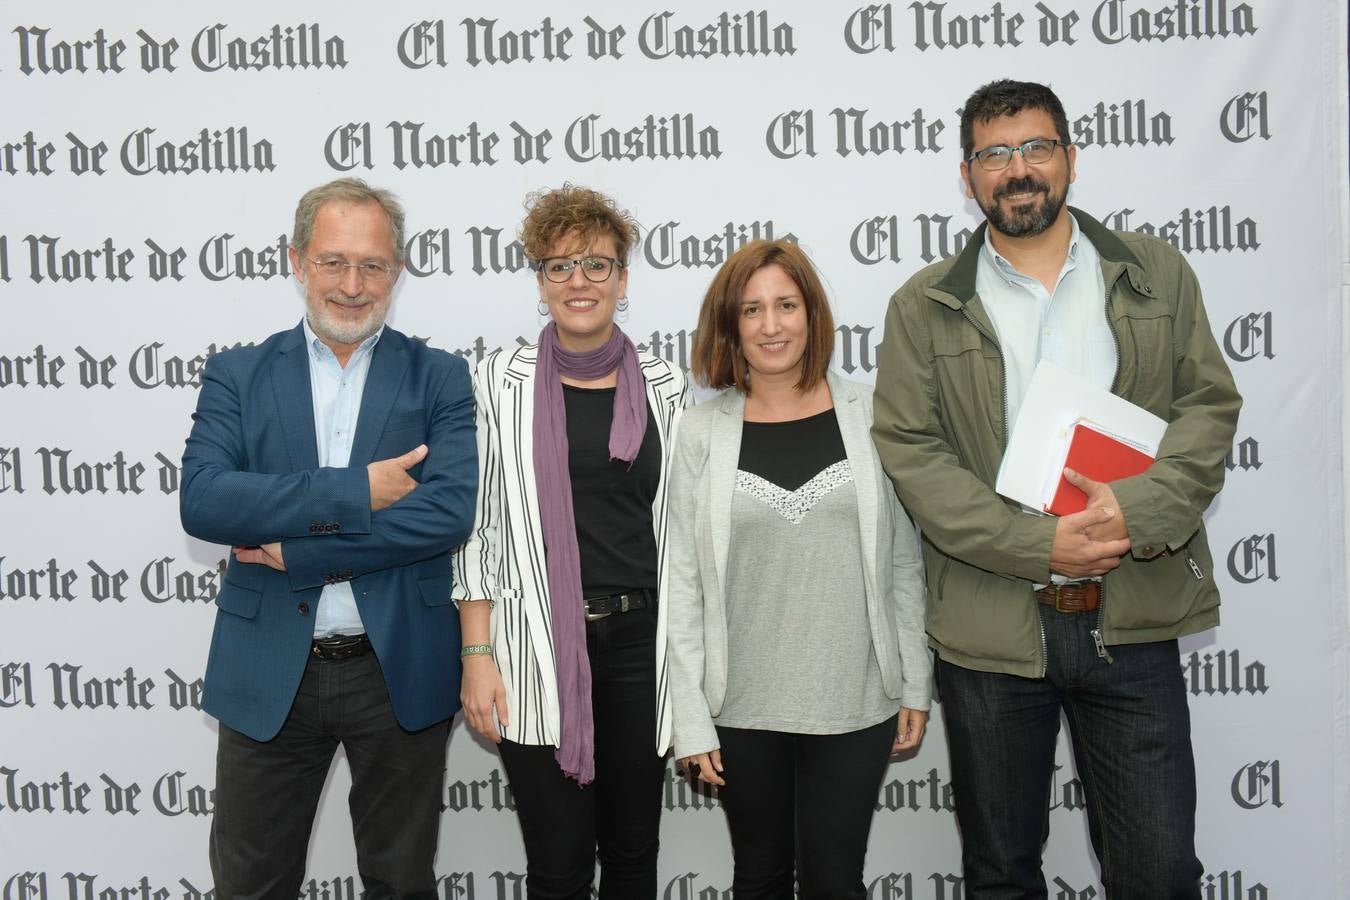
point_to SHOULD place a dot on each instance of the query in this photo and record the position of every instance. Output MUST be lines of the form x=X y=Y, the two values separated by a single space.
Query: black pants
x=620 y=812
x=267 y=791
x=802 y=801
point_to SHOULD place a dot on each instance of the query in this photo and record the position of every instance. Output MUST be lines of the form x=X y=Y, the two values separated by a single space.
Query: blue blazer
x=251 y=475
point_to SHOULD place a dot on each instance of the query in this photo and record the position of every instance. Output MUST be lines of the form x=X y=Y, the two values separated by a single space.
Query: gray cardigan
x=702 y=481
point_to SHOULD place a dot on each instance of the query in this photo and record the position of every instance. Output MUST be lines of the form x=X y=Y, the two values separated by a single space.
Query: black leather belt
x=340 y=646
x=596 y=608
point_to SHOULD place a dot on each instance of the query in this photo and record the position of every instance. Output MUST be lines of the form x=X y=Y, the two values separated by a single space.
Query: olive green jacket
x=940 y=432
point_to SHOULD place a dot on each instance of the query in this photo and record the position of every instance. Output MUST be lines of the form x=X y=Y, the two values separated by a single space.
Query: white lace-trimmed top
x=799 y=650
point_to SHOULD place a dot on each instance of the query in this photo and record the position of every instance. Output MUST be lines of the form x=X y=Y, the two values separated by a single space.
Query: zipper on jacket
x=1002 y=375
x=1097 y=640
x=1003 y=383
x=1115 y=337
x=1102 y=652
x=1195 y=566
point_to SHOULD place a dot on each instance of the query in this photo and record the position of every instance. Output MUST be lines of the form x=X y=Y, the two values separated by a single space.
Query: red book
x=1100 y=457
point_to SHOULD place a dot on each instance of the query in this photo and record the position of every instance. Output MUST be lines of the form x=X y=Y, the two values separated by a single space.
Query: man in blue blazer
x=338 y=460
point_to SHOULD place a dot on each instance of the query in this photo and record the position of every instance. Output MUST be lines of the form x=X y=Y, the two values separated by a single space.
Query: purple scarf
x=576 y=751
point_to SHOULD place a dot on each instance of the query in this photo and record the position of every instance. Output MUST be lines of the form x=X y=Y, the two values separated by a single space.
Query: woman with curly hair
x=558 y=583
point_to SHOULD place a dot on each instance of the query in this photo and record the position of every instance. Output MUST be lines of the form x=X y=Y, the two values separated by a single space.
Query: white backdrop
x=150 y=158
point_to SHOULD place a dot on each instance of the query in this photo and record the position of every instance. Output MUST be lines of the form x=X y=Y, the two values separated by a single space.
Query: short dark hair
x=1006 y=97
x=717 y=360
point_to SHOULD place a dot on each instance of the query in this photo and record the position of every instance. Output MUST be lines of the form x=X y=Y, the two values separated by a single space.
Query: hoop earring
x=543 y=309
x=621 y=310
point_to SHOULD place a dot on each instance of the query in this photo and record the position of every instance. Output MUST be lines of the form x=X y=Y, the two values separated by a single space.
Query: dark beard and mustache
x=1025 y=219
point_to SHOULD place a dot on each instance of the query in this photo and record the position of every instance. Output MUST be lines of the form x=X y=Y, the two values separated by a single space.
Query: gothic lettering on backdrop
x=150 y=160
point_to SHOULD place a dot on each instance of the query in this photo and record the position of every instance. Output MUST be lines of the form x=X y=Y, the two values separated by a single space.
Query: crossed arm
x=384 y=518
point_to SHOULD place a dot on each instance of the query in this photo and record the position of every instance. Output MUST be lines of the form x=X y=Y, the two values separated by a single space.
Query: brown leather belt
x=1084 y=596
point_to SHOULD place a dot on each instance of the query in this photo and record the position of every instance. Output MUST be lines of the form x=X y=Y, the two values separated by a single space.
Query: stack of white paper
x=1056 y=401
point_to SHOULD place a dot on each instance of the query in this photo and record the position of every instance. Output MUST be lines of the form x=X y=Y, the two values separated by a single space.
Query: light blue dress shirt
x=1066 y=326
x=337 y=403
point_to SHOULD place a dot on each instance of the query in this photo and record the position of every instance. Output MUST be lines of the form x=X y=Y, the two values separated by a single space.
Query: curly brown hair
x=554 y=214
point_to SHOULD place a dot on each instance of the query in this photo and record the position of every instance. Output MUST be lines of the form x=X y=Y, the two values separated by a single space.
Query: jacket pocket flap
x=435 y=591
x=238 y=600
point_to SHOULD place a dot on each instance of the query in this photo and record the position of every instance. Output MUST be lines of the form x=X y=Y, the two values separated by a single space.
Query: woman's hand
x=481 y=691
x=707 y=767
x=909 y=729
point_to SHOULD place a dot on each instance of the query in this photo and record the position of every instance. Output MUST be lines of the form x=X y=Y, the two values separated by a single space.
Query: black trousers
x=803 y=803
x=267 y=791
x=618 y=814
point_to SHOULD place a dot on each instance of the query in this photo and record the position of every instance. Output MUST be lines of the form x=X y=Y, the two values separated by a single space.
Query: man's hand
x=267 y=555
x=1100 y=496
x=389 y=478
x=1076 y=553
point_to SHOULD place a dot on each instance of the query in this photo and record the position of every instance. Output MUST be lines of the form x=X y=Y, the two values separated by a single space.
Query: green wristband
x=475 y=650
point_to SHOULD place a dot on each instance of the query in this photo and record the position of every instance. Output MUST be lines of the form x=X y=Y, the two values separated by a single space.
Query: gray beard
x=328 y=328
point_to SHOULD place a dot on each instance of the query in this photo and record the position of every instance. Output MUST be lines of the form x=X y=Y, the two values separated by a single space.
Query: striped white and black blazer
x=503 y=559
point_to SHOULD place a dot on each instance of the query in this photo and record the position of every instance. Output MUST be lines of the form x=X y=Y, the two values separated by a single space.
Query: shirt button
x=303 y=609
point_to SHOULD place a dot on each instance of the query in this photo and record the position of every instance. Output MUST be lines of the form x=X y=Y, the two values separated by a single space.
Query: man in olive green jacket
x=1116 y=583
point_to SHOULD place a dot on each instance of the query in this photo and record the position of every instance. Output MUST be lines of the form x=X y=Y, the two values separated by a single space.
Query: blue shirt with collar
x=336 y=392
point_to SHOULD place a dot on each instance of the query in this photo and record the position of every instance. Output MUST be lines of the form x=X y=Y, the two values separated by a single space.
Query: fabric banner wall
x=150 y=161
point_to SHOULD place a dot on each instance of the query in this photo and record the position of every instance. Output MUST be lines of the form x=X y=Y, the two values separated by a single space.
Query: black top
x=789 y=454
x=612 y=503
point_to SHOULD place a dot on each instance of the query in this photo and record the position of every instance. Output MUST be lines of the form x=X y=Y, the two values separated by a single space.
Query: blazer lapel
x=852 y=418
x=388 y=362
x=295 y=401
x=724 y=456
x=517 y=416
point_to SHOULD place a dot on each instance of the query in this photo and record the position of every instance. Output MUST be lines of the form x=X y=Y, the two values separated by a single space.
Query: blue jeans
x=1130 y=729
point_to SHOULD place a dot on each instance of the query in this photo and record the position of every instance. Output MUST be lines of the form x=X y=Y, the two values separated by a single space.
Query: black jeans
x=619 y=813
x=803 y=803
x=267 y=791
x=1131 y=734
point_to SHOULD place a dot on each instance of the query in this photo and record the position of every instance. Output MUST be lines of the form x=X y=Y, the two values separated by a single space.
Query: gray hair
x=345 y=190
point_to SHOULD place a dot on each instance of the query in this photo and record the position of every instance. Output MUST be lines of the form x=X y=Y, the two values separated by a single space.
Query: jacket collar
x=388 y=363
x=957 y=287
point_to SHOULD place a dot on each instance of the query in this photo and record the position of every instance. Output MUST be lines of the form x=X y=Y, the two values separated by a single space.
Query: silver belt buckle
x=596 y=617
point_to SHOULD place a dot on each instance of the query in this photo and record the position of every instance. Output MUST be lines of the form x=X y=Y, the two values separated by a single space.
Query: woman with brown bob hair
x=796 y=642
x=558 y=583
